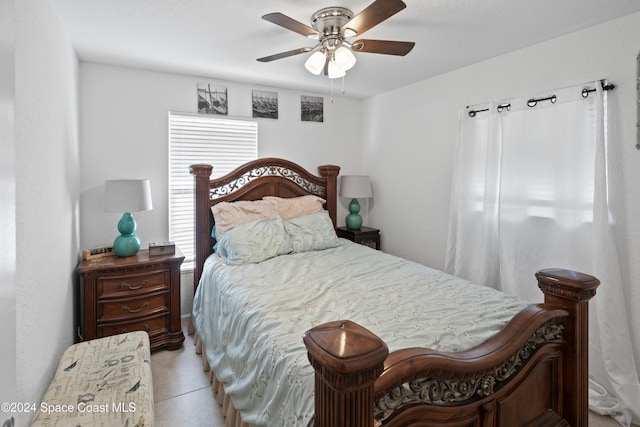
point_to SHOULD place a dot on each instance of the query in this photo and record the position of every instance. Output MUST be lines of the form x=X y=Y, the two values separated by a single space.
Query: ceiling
x=221 y=39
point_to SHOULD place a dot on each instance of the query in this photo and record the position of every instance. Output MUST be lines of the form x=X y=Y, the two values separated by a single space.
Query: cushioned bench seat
x=101 y=382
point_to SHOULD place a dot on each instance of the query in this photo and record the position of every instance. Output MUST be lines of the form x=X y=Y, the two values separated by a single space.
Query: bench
x=102 y=382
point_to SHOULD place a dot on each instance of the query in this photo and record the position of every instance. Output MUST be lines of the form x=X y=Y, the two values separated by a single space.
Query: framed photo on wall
x=264 y=104
x=311 y=108
x=212 y=99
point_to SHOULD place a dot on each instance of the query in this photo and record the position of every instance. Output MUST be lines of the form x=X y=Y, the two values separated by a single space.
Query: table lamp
x=355 y=187
x=127 y=195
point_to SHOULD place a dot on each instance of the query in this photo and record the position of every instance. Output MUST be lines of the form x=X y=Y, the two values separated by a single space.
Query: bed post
x=572 y=290
x=345 y=374
x=202 y=233
x=330 y=172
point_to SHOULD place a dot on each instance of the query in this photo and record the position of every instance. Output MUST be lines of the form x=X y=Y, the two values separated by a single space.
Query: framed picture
x=212 y=99
x=311 y=108
x=264 y=104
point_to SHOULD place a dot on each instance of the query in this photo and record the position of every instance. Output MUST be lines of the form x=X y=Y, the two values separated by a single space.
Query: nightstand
x=139 y=292
x=364 y=235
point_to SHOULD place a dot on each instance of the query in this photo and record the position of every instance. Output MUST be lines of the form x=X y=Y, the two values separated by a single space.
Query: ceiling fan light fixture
x=345 y=58
x=315 y=63
x=333 y=55
x=335 y=70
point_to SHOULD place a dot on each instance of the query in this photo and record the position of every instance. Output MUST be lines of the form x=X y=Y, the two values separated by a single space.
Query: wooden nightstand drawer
x=139 y=292
x=130 y=285
x=126 y=308
x=153 y=326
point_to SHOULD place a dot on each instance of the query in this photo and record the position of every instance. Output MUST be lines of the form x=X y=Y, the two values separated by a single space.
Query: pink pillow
x=294 y=207
x=231 y=214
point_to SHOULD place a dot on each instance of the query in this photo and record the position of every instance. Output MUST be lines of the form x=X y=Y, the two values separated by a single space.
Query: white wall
x=123 y=122
x=410 y=134
x=8 y=392
x=47 y=179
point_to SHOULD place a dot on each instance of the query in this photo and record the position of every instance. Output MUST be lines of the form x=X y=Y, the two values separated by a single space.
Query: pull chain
x=331 y=91
x=341 y=90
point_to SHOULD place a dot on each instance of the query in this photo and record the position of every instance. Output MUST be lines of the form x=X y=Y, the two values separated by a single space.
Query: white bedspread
x=251 y=319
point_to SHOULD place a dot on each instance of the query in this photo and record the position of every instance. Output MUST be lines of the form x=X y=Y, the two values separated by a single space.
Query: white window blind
x=222 y=142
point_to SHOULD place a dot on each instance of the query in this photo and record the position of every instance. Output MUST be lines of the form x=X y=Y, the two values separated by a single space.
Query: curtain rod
x=553 y=98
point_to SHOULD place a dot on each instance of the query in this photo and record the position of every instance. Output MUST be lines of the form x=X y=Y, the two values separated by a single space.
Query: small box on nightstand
x=162 y=248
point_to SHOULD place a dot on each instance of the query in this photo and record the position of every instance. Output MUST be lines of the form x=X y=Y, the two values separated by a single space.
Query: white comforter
x=251 y=319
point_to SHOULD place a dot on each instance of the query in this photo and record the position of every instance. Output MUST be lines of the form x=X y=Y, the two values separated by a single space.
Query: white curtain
x=530 y=192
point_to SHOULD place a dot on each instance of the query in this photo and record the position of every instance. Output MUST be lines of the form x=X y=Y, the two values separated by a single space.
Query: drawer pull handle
x=131 y=310
x=133 y=288
x=144 y=328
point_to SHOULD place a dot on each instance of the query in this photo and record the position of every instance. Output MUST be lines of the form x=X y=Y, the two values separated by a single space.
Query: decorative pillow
x=231 y=214
x=289 y=208
x=254 y=241
x=312 y=232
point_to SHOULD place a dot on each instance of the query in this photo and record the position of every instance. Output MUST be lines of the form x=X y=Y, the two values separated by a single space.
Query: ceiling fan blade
x=291 y=24
x=372 y=15
x=386 y=47
x=284 y=54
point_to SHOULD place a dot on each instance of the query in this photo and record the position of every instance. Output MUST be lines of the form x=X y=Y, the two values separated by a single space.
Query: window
x=222 y=142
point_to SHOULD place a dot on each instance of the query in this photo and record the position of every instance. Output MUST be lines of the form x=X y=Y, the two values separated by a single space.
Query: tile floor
x=183 y=396
x=181 y=389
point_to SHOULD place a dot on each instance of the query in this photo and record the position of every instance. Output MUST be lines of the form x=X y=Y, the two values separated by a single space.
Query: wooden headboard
x=252 y=181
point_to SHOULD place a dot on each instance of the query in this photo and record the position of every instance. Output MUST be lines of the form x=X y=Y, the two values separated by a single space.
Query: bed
x=354 y=348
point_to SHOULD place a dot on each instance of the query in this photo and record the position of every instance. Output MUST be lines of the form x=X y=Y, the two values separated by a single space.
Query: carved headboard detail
x=252 y=181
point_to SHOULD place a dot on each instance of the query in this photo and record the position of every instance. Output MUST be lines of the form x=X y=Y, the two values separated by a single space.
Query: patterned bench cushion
x=101 y=382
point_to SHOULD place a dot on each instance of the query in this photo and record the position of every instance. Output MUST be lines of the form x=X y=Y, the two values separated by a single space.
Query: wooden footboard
x=533 y=373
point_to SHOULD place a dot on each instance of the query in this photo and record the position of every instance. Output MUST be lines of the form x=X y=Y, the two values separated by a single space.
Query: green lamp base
x=354 y=220
x=127 y=243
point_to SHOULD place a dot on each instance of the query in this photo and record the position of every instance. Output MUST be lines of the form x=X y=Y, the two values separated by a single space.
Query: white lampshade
x=335 y=70
x=345 y=58
x=355 y=187
x=315 y=63
x=127 y=195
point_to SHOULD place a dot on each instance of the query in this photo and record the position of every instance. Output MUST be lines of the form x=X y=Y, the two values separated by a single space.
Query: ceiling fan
x=331 y=27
